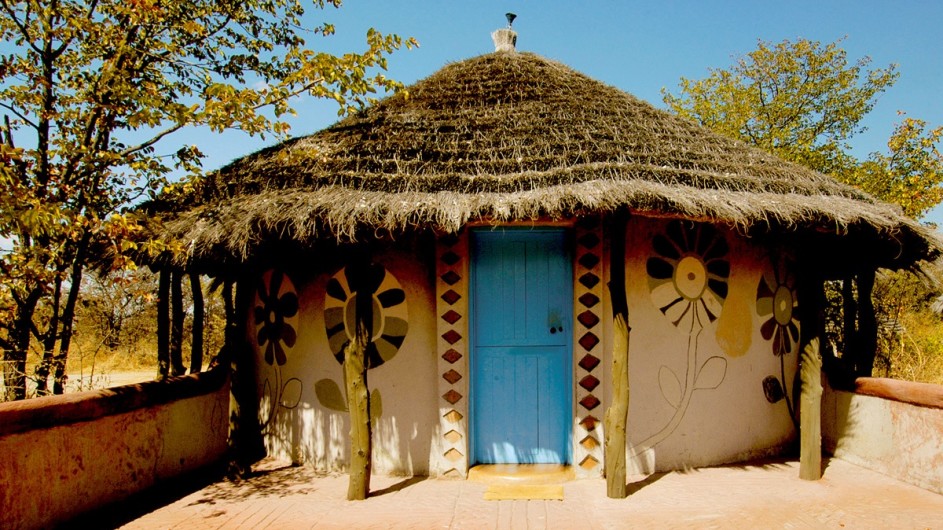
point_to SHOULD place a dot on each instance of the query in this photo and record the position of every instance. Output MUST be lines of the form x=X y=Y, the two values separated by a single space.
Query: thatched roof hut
x=513 y=136
x=470 y=230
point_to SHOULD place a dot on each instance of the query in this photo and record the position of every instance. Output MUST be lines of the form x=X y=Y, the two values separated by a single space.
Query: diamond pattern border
x=452 y=352
x=587 y=312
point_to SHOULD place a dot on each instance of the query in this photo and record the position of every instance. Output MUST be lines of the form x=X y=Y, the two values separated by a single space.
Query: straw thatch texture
x=510 y=136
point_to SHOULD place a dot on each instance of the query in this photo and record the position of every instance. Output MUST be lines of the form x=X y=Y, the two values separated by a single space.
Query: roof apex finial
x=505 y=39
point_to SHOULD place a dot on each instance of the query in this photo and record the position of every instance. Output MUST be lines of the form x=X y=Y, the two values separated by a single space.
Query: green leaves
x=803 y=101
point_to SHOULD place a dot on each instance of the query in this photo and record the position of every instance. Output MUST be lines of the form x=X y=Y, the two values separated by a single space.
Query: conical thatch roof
x=513 y=136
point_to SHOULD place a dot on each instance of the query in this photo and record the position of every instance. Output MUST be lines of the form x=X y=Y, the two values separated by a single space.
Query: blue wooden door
x=521 y=314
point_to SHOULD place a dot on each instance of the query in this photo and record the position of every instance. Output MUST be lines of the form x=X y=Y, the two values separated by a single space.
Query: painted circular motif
x=782 y=305
x=778 y=308
x=275 y=313
x=388 y=318
x=688 y=274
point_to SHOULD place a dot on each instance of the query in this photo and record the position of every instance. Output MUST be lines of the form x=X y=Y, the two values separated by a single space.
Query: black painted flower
x=275 y=305
x=388 y=320
x=776 y=302
x=688 y=275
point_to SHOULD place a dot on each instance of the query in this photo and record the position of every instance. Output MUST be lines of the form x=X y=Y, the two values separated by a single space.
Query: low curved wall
x=63 y=455
x=892 y=427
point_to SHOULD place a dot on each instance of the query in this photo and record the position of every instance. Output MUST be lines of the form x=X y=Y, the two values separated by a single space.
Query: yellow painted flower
x=688 y=275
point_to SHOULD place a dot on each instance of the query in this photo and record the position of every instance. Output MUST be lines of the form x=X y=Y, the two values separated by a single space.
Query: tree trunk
x=810 y=413
x=14 y=365
x=358 y=398
x=163 y=325
x=49 y=343
x=176 y=324
x=617 y=414
x=196 y=341
x=246 y=446
x=68 y=317
x=867 y=324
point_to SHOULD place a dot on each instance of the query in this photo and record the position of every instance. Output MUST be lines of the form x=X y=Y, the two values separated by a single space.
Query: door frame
x=567 y=409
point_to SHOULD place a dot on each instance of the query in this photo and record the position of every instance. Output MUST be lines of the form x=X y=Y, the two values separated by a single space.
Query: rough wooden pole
x=177 y=317
x=810 y=413
x=246 y=446
x=867 y=324
x=358 y=395
x=163 y=324
x=196 y=342
x=617 y=413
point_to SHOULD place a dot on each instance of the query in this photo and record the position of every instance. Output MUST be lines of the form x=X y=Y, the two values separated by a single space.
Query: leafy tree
x=803 y=101
x=90 y=89
x=911 y=175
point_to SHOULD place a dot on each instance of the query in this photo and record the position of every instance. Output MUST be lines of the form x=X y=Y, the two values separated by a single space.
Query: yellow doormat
x=524 y=492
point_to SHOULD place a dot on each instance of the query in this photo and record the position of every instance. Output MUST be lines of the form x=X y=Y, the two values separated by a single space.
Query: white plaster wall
x=300 y=427
x=897 y=439
x=730 y=419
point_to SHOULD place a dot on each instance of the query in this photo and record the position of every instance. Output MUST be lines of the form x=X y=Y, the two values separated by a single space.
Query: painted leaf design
x=670 y=386
x=711 y=374
x=265 y=409
x=330 y=395
x=376 y=405
x=291 y=393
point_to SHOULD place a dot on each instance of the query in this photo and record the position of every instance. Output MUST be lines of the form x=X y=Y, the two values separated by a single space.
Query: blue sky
x=639 y=47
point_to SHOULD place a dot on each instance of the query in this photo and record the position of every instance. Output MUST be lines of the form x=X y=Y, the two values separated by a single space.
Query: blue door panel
x=521 y=307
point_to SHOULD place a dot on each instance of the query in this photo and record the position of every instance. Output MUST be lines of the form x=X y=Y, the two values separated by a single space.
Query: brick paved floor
x=763 y=495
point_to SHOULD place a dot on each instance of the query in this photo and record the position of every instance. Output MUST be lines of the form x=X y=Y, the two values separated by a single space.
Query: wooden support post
x=163 y=324
x=617 y=414
x=810 y=413
x=867 y=324
x=849 y=322
x=358 y=394
x=176 y=324
x=245 y=433
x=196 y=341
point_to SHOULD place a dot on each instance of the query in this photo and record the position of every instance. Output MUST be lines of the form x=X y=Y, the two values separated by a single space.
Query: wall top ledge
x=51 y=411
x=920 y=394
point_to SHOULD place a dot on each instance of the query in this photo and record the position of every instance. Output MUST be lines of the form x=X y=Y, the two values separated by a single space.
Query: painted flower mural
x=388 y=324
x=275 y=315
x=688 y=275
x=776 y=303
x=276 y=304
x=778 y=309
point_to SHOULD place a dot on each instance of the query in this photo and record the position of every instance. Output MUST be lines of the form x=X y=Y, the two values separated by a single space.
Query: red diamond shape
x=450 y=258
x=589 y=299
x=588 y=319
x=451 y=336
x=451 y=356
x=589 y=260
x=589 y=341
x=451 y=317
x=451 y=277
x=589 y=280
x=589 y=362
x=589 y=402
x=589 y=240
x=589 y=382
x=589 y=422
x=452 y=396
x=451 y=297
x=452 y=376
